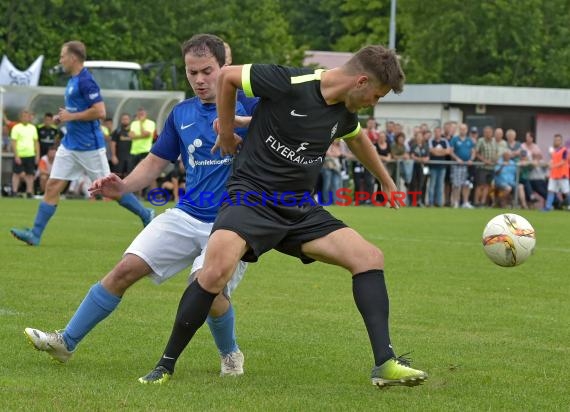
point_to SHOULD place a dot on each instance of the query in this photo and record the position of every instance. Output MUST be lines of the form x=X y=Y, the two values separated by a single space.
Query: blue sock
x=549 y=200
x=45 y=212
x=131 y=203
x=97 y=305
x=223 y=331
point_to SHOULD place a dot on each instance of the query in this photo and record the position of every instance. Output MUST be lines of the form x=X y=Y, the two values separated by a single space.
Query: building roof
x=326 y=59
x=490 y=95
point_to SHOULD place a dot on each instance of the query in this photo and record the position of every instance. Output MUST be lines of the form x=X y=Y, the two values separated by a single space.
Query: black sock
x=192 y=312
x=371 y=299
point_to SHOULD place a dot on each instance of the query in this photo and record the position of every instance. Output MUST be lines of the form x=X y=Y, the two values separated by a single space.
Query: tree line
x=500 y=42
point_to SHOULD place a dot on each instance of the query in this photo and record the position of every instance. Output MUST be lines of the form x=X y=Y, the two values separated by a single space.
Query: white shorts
x=173 y=241
x=558 y=185
x=73 y=164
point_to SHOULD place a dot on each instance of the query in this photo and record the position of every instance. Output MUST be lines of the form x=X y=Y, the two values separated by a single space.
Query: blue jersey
x=462 y=148
x=188 y=132
x=248 y=103
x=80 y=94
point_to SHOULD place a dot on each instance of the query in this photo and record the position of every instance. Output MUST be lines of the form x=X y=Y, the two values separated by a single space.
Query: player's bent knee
x=128 y=271
x=368 y=259
x=214 y=279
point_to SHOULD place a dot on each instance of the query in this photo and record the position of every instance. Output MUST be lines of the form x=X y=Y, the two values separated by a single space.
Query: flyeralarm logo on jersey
x=342 y=197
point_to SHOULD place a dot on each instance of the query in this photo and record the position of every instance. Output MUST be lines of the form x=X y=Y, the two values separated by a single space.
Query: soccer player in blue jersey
x=177 y=238
x=300 y=113
x=82 y=149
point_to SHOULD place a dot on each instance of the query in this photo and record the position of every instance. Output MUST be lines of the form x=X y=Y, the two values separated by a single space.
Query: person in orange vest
x=558 y=179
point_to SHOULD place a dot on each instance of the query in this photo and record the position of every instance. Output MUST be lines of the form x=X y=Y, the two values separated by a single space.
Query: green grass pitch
x=491 y=338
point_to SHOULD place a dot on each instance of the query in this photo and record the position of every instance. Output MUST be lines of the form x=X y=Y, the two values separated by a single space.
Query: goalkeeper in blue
x=177 y=238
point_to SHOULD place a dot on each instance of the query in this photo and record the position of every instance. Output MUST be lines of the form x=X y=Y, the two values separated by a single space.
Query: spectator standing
x=390 y=131
x=513 y=145
x=419 y=152
x=449 y=132
x=121 y=147
x=26 y=148
x=486 y=152
x=525 y=166
x=331 y=173
x=141 y=133
x=399 y=153
x=383 y=148
x=463 y=152
x=438 y=151
x=107 y=128
x=371 y=130
x=373 y=135
x=537 y=174
x=500 y=141
x=558 y=180
x=472 y=169
x=7 y=125
x=48 y=134
x=44 y=168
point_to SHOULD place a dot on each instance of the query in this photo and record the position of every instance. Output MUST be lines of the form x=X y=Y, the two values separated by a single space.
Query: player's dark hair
x=205 y=44
x=48 y=114
x=382 y=63
x=76 y=48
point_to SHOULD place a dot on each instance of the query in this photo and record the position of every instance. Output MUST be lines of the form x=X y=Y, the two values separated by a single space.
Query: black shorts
x=136 y=159
x=484 y=176
x=265 y=228
x=28 y=166
x=123 y=167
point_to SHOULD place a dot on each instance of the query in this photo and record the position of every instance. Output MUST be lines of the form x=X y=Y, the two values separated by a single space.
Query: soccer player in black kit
x=300 y=113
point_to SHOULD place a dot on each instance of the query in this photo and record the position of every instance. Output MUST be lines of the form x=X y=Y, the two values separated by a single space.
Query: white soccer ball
x=508 y=239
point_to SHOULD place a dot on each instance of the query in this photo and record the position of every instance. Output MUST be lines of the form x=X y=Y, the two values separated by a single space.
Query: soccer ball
x=508 y=239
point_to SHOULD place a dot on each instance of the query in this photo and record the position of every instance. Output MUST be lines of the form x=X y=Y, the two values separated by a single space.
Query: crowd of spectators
x=33 y=146
x=454 y=166
x=451 y=166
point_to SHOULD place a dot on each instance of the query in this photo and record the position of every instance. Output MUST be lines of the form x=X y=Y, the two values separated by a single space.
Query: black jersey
x=290 y=131
x=47 y=136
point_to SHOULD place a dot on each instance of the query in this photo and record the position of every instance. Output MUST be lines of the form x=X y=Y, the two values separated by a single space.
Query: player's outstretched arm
x=143 y=175
x=111 y=186
x=362 y=148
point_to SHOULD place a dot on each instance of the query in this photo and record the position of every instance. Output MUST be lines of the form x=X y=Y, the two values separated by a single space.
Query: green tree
x=316 y=25
x=501 y=42
x=142 y=31
x=365 y=22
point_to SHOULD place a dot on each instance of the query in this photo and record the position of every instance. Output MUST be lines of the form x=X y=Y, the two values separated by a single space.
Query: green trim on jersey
x=352 y=134
x=246 y=80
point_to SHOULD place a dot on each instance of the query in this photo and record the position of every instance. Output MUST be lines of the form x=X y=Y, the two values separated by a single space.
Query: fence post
x=516 y=189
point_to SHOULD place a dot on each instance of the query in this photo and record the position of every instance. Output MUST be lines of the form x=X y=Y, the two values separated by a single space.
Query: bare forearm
x=362 y=148
x=95 y=112
x=226 y=99
x=145 y=173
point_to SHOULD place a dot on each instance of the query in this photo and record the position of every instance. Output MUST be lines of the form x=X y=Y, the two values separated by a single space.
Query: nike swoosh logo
x=167 y=357
x=293 y=113
x=186 y=126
